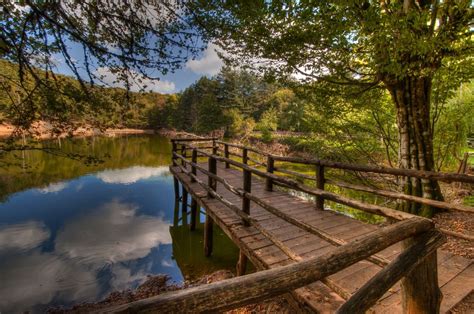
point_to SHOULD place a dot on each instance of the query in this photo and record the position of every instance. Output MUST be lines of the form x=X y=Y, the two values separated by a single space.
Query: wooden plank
x=264 y=253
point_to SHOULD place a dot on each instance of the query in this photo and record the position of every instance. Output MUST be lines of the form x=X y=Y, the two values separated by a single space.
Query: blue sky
x=208 y=64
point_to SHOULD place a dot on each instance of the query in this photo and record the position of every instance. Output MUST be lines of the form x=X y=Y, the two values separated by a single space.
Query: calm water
x=71 y=232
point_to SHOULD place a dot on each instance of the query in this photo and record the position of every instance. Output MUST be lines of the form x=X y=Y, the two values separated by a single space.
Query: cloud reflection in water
x=102 y=239
x=131 y=175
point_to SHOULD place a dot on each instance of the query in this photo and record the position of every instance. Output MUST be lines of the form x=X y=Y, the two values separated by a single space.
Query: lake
x=72 y=231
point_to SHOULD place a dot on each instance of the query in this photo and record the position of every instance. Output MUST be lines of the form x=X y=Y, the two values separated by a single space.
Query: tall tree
x=396 y=45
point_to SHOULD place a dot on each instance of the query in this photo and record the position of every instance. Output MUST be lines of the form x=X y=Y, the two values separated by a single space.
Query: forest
x=242 y=105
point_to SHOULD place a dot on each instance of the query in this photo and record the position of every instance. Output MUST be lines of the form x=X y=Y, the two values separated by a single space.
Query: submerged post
x=176 y=188
x=184 y=204
x=194 y=207
x=208 y=226
x=226 y=154
x=320 y=185
x=270 y=169
x=173 y=150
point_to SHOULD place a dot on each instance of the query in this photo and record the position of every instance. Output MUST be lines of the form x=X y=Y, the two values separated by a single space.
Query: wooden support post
x=245 y=156
x=176 y=188
x=226 y=155
x=183 y=153
x=241 y=264
x=176 y=214
x=212 y=167
x=208 y=231
x=215 y=147
x=208 y=226
x=194 y=209
x=193 y=160
x=173 y=150
x=270 y=168
x=248 y=189
x=184 y=204
x=320 y=185
x=420 y=290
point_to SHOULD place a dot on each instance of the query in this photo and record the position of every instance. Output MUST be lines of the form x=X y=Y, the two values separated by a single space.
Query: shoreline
x=41 y=132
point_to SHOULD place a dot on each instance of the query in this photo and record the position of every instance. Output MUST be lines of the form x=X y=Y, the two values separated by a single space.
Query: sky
x=207 y=64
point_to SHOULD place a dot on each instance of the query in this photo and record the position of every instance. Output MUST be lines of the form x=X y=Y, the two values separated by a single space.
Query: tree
x=395 y=45
x=133 y=41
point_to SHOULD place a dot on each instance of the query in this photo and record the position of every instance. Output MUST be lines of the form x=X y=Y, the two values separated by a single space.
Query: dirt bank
x=42 y=130
x=155 y=285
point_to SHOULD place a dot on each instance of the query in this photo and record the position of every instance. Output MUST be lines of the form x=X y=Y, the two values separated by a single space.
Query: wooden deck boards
x=456 y=274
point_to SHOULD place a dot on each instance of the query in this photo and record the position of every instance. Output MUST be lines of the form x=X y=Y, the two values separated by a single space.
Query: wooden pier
x=320 y=260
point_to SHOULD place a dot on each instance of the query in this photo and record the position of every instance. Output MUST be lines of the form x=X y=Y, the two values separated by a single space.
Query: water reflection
x=71 y=233
x=112 y=233
x=131 y=175
x=23 y=236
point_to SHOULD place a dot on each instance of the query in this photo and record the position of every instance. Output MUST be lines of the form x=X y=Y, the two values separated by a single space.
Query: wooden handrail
x=366 y=296
x=397 y=195
x=334 y=197
x=199 y=139
x=373 y=209
x=421 y=174
x=242 y=147
x=239 y=291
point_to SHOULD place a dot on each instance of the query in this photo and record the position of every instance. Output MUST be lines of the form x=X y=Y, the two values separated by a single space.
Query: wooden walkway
x=456 y=274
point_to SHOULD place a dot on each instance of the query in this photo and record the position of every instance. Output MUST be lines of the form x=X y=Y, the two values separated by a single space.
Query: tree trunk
x=411 y=96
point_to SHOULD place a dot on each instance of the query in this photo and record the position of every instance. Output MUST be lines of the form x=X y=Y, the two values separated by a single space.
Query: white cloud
x=113 y=233
x=137 y=81
x=23 y=236
x=209 y=64
x=131 y=175
x=53 y=188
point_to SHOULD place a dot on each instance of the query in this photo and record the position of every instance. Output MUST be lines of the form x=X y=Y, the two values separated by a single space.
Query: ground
x=159 y=284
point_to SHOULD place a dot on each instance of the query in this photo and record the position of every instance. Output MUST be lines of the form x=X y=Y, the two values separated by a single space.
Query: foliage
x=96 y=106
x=134 y=41
x=268 y=120
x=455 y=122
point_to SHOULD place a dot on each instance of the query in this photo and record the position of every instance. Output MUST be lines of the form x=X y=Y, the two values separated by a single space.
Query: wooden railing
x=231 y=293
x=223 y=151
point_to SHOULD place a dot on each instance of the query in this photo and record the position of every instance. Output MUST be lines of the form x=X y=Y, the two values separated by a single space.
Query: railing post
x=208 y=226
x=270 y=168
x=193 y=160
x=226 y=154
x=245 y=156
x=183 y=153
x=242 y=263
x=173 y=150
x=248 y=189
x=320 y=185
x=215 y=147
x=420 y=289
x=211 y=182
